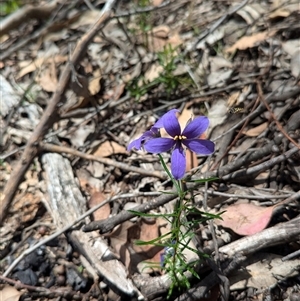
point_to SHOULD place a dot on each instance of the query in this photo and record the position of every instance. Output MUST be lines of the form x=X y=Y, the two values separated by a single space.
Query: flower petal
x=171 y=124
x=196 y=127
x=159 y=145
x=137 y=144
x=178 y=162
x=159 y=123
x=200 y=146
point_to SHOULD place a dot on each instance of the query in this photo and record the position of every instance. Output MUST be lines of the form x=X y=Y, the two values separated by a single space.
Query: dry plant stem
x=50 y=113
x=62 y=149
x=234 y=140
x=44 y=292
x=251 y=197
x=261 y=167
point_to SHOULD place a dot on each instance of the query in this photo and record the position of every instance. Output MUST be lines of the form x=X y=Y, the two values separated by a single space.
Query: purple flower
x=150 y=134
x=188 y=138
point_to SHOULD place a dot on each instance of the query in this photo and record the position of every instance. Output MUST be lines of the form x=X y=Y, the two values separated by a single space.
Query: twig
x=63 y=149
x=280 y=127
x=51 y=112
x=57 y=292
x=261 y=167
x=251 y=197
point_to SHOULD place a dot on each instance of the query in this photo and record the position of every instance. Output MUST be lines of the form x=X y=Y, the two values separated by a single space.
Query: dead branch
x=62 y=149
x=51 y=112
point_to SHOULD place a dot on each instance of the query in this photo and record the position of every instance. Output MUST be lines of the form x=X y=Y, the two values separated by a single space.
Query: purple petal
x=159 y=123
x=200 y=146
x=137 y=144
x=196 y=127
x=171 y=125
x=178 y=163
x=159 y=145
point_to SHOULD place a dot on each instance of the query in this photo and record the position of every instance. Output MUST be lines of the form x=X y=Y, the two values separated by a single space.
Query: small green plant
x=7 y=7
x=168 y=60
x=177 y=240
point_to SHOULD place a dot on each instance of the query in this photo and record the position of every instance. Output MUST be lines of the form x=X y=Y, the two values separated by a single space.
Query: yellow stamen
x=180 y=137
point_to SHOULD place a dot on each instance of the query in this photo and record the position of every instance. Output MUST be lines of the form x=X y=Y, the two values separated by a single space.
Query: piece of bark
x=66 y=204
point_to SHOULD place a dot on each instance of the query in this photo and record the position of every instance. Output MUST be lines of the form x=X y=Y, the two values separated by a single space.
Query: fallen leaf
x=233 y=98
x=9 y=293
x=103 y=212
x=109 y=148
x=250 y=41
x=191 y=160
x=153 y=72
x=94 y=84
x=254 y=132
x=161 y=36
x=246 y=219
x=282 y=8
x=47 y=78
x=157 y=2
x=29 y=66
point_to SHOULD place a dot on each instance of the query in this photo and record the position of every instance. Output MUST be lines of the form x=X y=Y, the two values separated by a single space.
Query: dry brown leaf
x=9 y=293
x=250 y=41
x=157 y=2
x=119 y=241
x=246 y=219
x=233 y=98
x=29 y=66
x=254 y=132
x=47 y=78
x=282 y=8
x=109 y=148
x=94 y=84
x=87 y=182
x=104 y=211
x=153 y=72
x=191 y=160
x=27 y=206
x=162 y=36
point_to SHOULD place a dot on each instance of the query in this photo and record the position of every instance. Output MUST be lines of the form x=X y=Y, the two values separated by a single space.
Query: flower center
x=179 y=137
